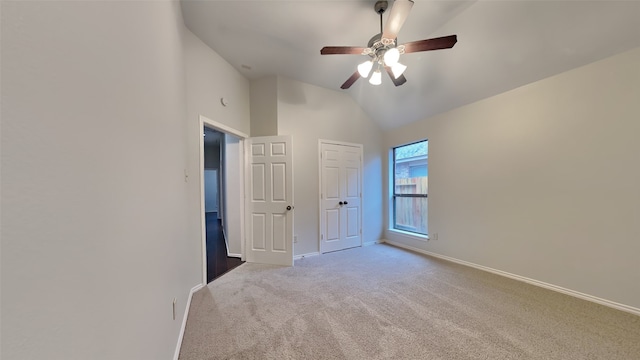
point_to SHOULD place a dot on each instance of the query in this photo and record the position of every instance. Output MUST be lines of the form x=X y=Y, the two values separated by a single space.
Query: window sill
x=411 y=235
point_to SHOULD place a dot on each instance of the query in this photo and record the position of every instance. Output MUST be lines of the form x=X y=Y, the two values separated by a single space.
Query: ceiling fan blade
x=347 y=84
x=397 y=16
x=444 y=42
x=397 y=82
x=339 y=50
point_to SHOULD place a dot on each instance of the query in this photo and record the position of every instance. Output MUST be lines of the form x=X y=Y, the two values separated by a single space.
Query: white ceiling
x=501 y=45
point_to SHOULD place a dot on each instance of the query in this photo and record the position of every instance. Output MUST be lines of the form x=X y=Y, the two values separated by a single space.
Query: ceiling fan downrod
x=380 y=7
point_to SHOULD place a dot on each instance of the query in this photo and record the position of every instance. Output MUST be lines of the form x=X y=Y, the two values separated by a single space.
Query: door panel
x=352 y=182
x=332 y=230
x=279 y=227
x=340 y=198
x=270 y=231
x=259 y=231
x=332 y=182
x=352 y=221
x=278 y=183
x=257 y=182
x=331 y=155
x=257 y=149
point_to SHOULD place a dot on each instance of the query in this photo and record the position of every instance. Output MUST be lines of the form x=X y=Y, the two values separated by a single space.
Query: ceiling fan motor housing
x=381 y=6
x=377 y=46
x=375 y=42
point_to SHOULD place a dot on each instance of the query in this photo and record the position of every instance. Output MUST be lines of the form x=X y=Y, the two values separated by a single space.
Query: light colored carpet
x=381 y=302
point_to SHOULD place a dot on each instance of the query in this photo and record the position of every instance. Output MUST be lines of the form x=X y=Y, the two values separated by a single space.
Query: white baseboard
x=184 y=320
x=226 y=243
x=369 y=243
x=597 y=300
x=298 y=257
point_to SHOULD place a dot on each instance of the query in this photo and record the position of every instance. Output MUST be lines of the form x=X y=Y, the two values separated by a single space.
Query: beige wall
x=542 y=181
x=210 y=78
x=264 y=106
x=310 y=113
x=100 y=231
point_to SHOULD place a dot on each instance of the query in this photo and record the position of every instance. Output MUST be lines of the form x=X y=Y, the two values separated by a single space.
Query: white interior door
x=340 y=196
x=269 y=192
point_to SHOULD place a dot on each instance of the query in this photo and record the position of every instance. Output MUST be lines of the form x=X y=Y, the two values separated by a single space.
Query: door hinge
x=321 y=236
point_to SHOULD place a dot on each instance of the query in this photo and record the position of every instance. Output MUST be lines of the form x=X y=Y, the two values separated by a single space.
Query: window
x=410 y=184
x=418 y=170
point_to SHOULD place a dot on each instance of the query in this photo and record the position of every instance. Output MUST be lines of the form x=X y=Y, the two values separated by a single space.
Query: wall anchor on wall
x=224 y=101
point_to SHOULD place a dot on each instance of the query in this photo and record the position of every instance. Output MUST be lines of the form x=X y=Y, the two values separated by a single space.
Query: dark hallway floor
x=218 y=262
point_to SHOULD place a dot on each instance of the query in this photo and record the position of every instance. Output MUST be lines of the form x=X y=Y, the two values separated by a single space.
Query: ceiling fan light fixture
x=391 y=57
x=383 y=49
x=398 y=69
x=376 y=78
x=365 y=68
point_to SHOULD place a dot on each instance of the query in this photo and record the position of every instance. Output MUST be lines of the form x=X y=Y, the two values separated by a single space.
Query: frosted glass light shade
x=376 y=78
x=398 y=69
x=391 y=57
x=365 y=68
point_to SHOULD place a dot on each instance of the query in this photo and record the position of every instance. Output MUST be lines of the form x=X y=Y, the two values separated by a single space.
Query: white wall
x=234 y=209
x=310 y=113
x=211 y=190
x=222 y=188
x=94 y=202
x=100 y=231
x=542 y=181
x=264 y=106
x=209 y=78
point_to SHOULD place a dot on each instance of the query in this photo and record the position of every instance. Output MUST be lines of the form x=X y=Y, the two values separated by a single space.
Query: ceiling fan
x=383 y=49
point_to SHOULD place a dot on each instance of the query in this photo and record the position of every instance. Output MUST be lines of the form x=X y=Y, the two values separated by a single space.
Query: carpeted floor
x=381 y=302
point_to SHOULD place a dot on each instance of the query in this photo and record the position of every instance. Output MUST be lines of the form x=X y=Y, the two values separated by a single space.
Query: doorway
x=221 y=209
x=218 y=257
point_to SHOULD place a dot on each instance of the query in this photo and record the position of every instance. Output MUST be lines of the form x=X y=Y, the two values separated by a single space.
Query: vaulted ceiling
x=501 y=45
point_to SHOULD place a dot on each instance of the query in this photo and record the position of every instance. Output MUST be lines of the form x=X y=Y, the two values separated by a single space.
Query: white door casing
x=269 y=200
x=340 y=196
x=237 y=197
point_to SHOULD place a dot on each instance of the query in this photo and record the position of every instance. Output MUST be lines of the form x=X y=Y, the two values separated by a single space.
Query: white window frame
x=392 y=196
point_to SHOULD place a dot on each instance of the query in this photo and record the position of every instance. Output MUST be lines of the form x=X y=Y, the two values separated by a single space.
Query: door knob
x=289 y=207
x=346 y=202
x=340 y=203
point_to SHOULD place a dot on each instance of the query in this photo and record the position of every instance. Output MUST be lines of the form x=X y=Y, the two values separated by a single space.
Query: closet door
x=340 y=196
